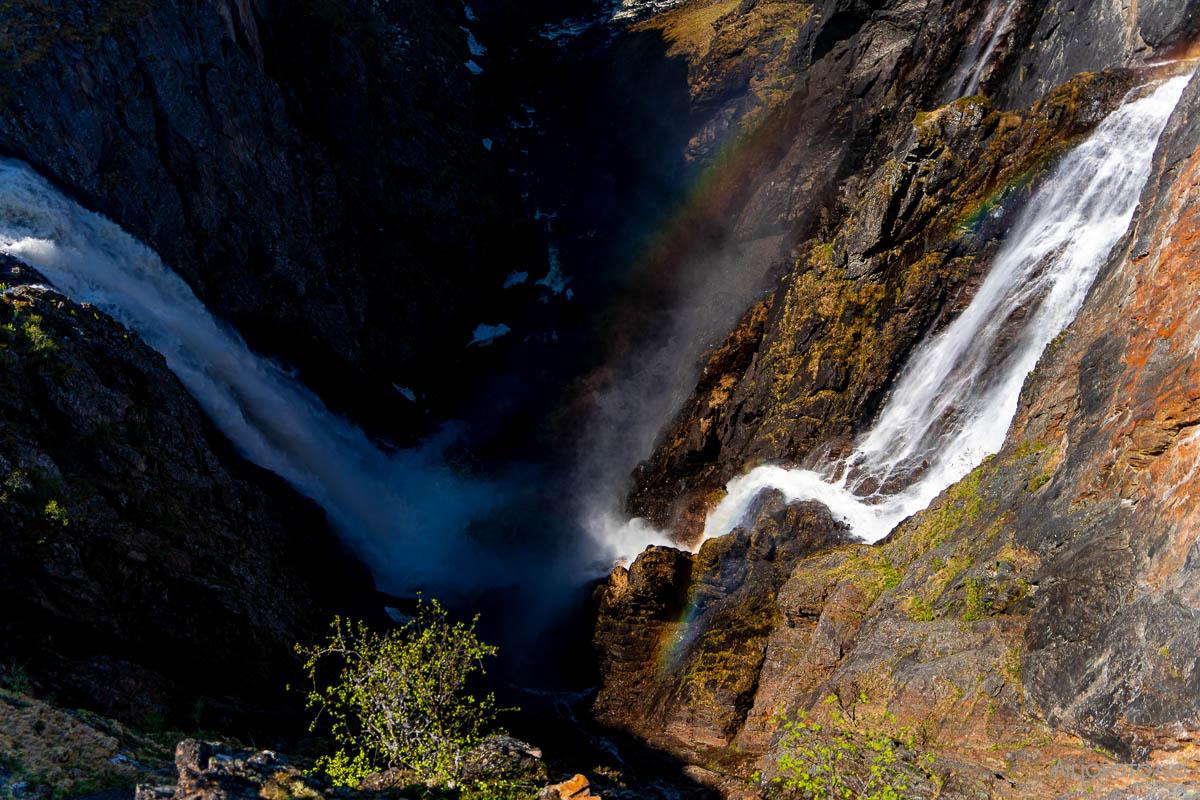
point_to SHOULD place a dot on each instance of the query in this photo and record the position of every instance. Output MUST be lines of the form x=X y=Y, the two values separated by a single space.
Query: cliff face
x=315 y=170
x=819 y=193
x=903 y=253
x=1038 y=621
x=146 y=571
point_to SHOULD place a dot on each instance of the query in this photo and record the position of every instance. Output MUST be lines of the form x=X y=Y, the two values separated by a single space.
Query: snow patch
x=486 y=334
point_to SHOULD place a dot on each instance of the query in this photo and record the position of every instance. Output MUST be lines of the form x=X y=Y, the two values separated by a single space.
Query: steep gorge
x=715 y=238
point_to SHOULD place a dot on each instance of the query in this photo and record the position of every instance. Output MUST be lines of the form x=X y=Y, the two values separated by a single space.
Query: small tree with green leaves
x=848 y=756
x=401 y=700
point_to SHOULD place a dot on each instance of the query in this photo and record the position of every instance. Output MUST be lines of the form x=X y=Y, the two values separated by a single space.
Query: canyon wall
x=1041 y=612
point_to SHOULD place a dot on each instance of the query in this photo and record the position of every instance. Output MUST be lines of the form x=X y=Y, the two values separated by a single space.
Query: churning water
x=404 y=512
x=957 y=395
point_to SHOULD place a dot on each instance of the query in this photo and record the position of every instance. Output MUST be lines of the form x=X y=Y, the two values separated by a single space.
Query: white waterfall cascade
x=404 y=512
x=996 y=22
x=954 y=401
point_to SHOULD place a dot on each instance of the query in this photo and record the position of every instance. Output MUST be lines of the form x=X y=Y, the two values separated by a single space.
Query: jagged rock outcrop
x=315 y=170
x=683 y=638
x=739 y=61
x=146 y=571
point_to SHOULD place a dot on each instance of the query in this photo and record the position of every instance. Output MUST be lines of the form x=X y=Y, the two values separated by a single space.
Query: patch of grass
x=1037 y=482
x=975 y=606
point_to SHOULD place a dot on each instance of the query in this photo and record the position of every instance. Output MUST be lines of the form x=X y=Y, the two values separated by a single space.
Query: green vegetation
x=15 y=678
x=23 y=330
x=850 y=754
x=55 y=512
x=31 y=326
x=1037 y=482
x=976 y=607
x=402 y=700
x=919 y=609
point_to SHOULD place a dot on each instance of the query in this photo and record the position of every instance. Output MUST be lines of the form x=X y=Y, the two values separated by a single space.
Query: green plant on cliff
x=402 y=700
x=848 y=755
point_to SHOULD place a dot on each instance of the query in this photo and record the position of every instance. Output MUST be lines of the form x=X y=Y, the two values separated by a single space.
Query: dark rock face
x=314 y=170
x=146 y=571
x=1052 y=42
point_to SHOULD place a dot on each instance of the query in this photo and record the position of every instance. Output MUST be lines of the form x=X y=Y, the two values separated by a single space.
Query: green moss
x=975 y=608
x=919 y=609
x=873 y=573
x=823 y=252
x=1030 y=447
x=1038 y=481
x=961 y=506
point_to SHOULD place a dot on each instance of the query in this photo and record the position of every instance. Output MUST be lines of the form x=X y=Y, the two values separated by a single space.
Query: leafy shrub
x=848 y=756
x=402 y=700
x=55 y=512
x=15 y=678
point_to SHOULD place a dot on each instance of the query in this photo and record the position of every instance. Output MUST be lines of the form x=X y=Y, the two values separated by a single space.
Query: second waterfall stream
x=953 y=403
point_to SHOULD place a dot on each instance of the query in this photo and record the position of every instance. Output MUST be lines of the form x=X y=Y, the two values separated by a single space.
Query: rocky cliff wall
x=1036 y=624
x=315 y=170
x=146 y=571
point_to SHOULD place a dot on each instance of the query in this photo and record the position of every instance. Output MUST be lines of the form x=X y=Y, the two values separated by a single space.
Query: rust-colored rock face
x=1117 y=403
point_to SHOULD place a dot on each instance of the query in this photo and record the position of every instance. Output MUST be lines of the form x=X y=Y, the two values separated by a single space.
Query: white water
x=955 y=399
x=996 y=22
x=404 y=512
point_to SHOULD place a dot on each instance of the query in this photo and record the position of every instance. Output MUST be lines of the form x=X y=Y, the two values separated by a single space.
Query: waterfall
x=957 y=395
x=996 y=22
x=404 y=512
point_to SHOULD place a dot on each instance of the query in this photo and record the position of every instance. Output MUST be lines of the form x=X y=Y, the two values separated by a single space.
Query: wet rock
x=680 y=657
